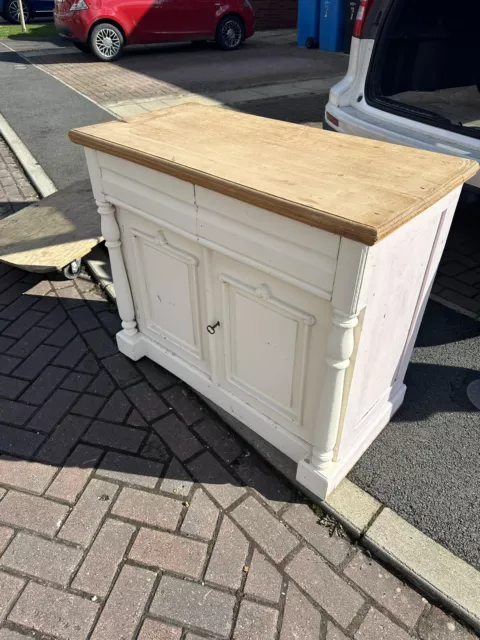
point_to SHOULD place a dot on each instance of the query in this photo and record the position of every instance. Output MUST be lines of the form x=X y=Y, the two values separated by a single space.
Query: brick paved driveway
x=128 y=511
x=174 y=70
x=125 y=506
x=15 y=189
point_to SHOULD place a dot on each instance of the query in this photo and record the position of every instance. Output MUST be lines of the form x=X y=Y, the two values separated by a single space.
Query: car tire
x=11 y=14
x=84 y=47
x=230 y=33
x=106 y=42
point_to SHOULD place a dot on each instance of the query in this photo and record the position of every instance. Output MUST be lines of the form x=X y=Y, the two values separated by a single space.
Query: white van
x=413 y=76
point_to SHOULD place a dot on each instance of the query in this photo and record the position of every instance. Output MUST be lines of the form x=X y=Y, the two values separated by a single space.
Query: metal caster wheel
x=72 y=270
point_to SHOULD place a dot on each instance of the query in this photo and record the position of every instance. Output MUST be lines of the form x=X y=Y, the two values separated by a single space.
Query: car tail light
x=362 y=13
x=331 y=118
x=79 y=5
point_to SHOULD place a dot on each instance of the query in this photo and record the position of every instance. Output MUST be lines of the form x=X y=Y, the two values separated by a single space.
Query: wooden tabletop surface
x=358 y=188
x=52 y=232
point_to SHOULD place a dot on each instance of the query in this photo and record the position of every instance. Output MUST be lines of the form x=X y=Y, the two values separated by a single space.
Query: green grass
x=33 y=31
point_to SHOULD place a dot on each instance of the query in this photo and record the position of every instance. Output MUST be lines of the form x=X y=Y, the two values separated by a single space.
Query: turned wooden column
x=339 y=350
x=111 y=233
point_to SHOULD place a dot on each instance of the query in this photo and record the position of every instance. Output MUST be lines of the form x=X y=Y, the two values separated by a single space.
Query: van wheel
x=106 y=42
x=230 y=33
x=11 y=11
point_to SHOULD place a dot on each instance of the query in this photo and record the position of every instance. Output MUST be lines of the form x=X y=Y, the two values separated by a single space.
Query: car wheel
x=84 y=47
x=12 y=11
x=106 y=42
x=230 y=33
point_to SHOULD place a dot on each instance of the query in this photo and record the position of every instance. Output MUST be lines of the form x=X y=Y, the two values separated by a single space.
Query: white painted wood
x=352 y=276
x=168 y=286
x=270 y=343
x=111 y=233
x=160 y=182
x=321 y=483
x=339 y=350
x=446 y=218
x=162 y=207
x=315 y=331
x=287 y=442
x=275 y=244
x=395 y=291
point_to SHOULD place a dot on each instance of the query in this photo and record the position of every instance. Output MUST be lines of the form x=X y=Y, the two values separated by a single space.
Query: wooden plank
x=358 y=188
x=50 y=234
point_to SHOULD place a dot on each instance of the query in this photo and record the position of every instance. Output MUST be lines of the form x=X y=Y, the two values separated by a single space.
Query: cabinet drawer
x=302 y=255
x=167 y=279
x=271 y=344
x=160 y=196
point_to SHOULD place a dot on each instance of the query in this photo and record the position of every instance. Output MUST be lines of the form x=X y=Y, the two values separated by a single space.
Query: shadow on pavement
x=424 y=465
x=66 y=392
x=141 y=424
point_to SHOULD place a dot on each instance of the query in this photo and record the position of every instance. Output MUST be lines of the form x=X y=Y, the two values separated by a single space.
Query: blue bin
x=332 y=19
x=308 y=23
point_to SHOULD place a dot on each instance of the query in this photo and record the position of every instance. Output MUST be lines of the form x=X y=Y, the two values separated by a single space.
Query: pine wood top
x=358 y=188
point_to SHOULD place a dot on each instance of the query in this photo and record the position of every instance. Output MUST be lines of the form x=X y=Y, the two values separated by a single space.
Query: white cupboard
x=280 y=270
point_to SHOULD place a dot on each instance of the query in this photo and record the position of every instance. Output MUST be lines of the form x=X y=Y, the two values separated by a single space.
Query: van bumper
x=354 y=122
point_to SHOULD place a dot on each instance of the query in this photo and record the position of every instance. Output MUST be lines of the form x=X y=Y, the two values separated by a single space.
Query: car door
x=137 y=18
x=42 y=5
x=183 y=19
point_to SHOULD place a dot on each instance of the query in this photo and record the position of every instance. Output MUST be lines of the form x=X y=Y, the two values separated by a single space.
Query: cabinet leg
x=111 y=233
x=133 y=347
x=314 y=473
x=340 y=347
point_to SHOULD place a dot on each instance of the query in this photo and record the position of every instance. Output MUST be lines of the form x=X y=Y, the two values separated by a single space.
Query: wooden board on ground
x=52 y=233
x=358 y=188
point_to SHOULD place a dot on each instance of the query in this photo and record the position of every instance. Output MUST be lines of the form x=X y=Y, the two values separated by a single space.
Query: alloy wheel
x=231 y=34
x=14 y=10
x=107 y=42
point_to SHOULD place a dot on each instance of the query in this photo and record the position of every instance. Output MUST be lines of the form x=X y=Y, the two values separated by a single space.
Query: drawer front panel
x=128 y=184
x=272 y=243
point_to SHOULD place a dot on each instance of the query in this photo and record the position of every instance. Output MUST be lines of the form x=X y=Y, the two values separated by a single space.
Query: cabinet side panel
x=400 y=263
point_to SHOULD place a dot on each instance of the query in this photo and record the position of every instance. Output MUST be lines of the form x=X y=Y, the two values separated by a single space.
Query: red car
x=104 y=27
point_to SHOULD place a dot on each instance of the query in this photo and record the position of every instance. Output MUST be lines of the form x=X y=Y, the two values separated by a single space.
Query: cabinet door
x=168 y=287
x=271 y=343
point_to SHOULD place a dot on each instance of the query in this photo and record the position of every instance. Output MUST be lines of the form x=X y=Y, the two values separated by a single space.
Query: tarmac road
x=42 y=111
x=425 y=464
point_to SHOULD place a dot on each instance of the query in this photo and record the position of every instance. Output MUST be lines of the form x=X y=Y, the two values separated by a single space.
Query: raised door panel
x=272 y=338
x=168 y=289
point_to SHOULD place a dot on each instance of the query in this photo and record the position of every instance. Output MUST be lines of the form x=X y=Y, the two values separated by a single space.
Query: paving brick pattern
x=176 y=70
x=128 y=511
x=15 y=190
x=154 y=521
